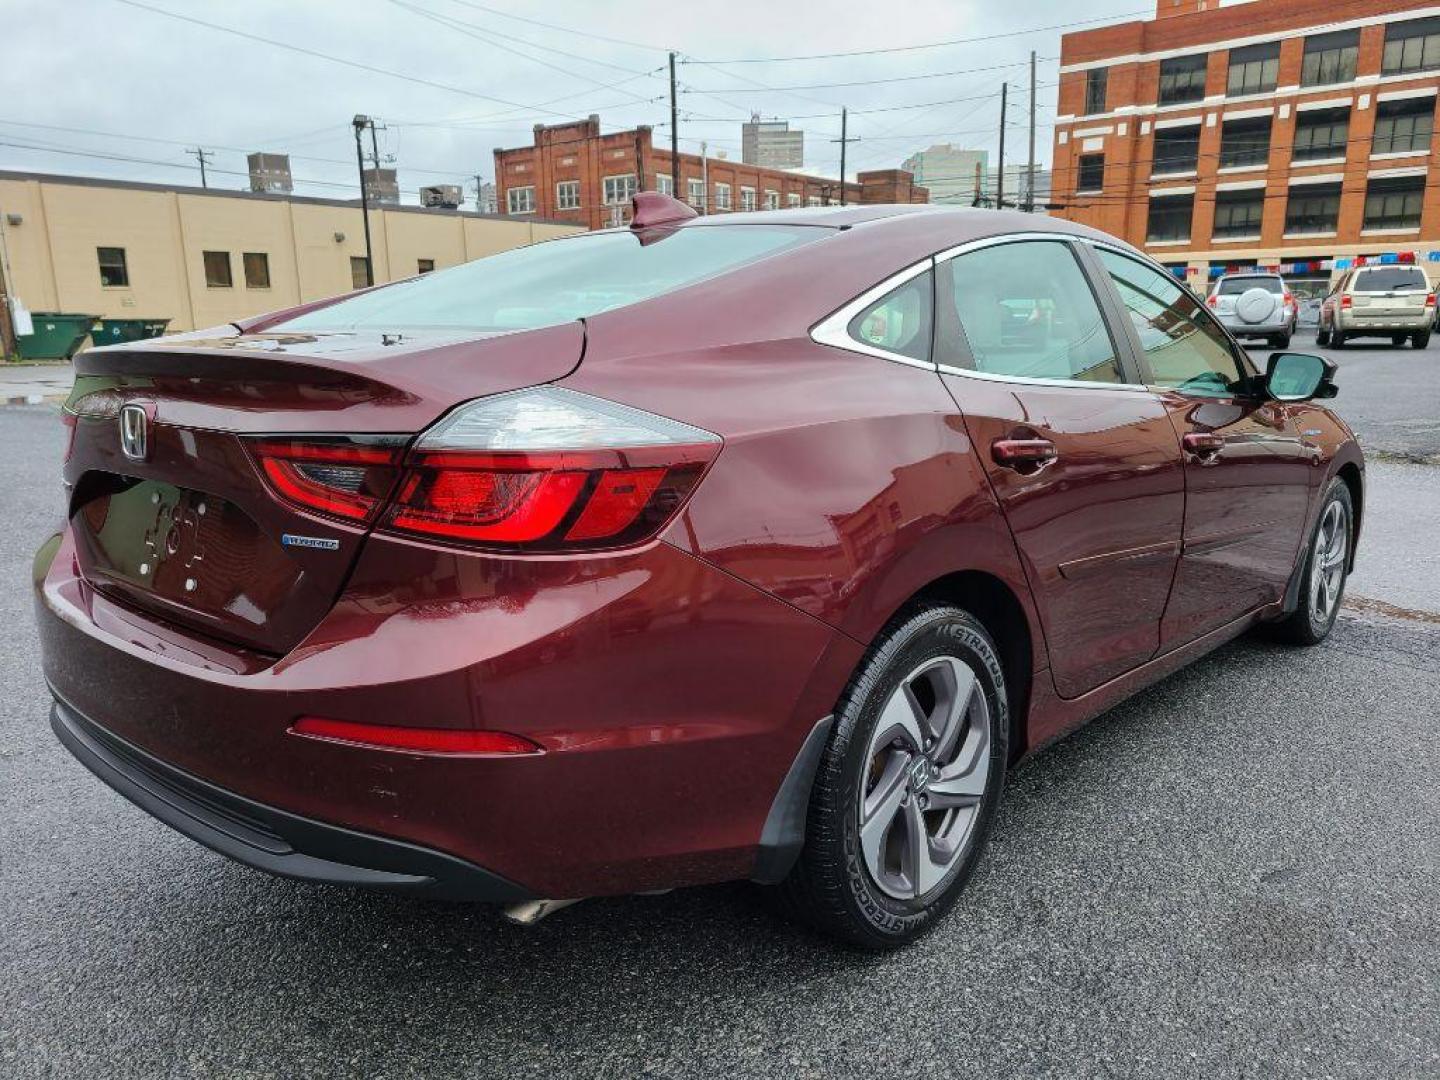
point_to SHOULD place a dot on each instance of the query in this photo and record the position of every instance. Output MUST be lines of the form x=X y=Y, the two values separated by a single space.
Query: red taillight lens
x=1212 y=301
x=1346 y=301
x=1430 y=300
x=341 y=479
x=414 y=740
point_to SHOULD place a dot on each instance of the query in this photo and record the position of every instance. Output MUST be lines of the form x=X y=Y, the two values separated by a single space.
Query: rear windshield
x=557 y=281
x=1234 y=286
x=1386 y=278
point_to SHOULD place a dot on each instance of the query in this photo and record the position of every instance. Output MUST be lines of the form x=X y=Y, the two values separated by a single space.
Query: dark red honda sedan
x=754 y=546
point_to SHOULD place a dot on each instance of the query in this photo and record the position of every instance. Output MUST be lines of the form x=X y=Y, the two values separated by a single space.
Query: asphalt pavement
x=1235 y=874
x=1389 y=394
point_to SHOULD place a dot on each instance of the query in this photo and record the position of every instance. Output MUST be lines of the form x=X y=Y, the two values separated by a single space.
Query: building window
x=1238 y=213
x=792 y=200
x=520 y=200
x=1245 y=143
x=1170 y=218
x=359 y=271
x=747 y=198
x=695 y=193
x=1412 y=46
x=217 y=269
x=1394 y=202
x=1176 y=149
x=722 y=196
x=257 y=269
x=1096 y=84
x=1092 y=173
x=618 y=189
x=1313 y=208
x=567 y=195
x=1404 y=127
x=1330 y=58
x=114 y=274
x=814 y=200
x=1254 y=69
x=424 y=266
x=1321 y=133
x=1183 y=79
x=665 y=183
x=772 y=200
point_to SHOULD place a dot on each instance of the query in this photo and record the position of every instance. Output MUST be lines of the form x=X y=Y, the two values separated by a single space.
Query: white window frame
x=695 y=192
x=665 y=183
x=567 y=195
x=617 y=190
x=747 y=198
x=772 y=199
x=814 y=200
x=792 y=200
x=520 y=200
x=722 y=196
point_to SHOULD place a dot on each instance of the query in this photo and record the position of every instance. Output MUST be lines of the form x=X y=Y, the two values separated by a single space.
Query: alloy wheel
x=1327 y=575
x=928 y=761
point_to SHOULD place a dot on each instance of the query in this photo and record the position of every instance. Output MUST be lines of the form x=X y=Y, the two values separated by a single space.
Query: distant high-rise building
x=948 y=171
x=1017 y=179
x=382 y=187
x=771 y=144
x=270 y=173
x=485 y=199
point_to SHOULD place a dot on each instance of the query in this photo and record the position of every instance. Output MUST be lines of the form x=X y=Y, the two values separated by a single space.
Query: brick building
x=573 y=173
x=1280 y=132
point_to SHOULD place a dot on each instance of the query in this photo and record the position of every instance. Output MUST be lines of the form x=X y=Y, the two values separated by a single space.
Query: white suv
x=1378 y=301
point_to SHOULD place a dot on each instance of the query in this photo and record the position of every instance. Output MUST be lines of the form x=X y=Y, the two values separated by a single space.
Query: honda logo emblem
x=134 y=434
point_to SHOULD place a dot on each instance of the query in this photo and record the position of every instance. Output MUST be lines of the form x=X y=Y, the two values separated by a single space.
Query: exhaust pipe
x=531 y=912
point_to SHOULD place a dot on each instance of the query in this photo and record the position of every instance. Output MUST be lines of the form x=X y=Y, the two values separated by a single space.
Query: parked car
x=753 y=546
x=1255 y=305
x=1394 y=302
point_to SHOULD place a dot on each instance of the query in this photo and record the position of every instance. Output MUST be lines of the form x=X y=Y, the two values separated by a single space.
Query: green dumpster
x=57 y=335
x=115 y=331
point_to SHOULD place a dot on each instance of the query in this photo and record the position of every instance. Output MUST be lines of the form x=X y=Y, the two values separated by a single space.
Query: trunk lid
x=189 y=529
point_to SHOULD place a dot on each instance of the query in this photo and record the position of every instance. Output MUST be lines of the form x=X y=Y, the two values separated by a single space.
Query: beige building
x=203 y=257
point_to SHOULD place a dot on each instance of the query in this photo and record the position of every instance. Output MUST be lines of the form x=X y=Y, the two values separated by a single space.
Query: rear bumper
x=268 y=838
x=1399 y=324
x=1243 y=329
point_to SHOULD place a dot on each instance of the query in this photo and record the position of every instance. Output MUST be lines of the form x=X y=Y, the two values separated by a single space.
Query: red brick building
x=573 y=173
x=1278 y=131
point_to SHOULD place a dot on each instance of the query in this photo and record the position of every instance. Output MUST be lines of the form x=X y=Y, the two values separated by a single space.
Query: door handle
x=1204 y=445
x=1014 y=453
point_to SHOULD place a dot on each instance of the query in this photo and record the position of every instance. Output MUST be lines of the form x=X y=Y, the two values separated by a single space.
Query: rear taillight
x=340 y=479
x=1346 y=302
x=1430 y=299
x=1289 y=299
x=1212 y=301
x=549 y=470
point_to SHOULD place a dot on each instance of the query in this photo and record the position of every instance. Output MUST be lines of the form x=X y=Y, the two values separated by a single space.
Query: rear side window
x=1026 y=310
x=899 y=322
x=1236 y=285
x=557 y=281
x=1390 y=278
x=1184 y=346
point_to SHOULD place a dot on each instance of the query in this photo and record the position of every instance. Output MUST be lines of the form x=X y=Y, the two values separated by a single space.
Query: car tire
x=1420 y=339
x=1398 y=339
x=1337 y=339
x=1327 y=563
x=934 y=674
x=1280 y=341
x=1322 y=337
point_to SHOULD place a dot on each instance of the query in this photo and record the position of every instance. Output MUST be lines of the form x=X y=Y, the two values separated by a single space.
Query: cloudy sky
x=123 y=87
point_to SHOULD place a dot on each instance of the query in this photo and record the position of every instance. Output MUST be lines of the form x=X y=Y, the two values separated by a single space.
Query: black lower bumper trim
x=267 y=838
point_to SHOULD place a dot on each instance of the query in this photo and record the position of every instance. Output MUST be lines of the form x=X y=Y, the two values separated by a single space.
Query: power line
x=877 y=82
x=587 y=34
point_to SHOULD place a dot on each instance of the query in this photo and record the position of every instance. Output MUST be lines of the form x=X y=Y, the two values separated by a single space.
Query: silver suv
x=1255 y=305
x=1378 y=301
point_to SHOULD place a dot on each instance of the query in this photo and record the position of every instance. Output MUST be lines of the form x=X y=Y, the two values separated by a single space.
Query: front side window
x=1169 y=218
x=567 y=195
x=618 y=190
x=1404 y=127
x=1321 y=133
x=1245 y=143
x=1254 y=69
x=1184 y=346
x=1394 y=202
x=1097 y=82
x=257 y=269
x=555 y=282
x=217 y=269
x=114 y=273
x=520 y=200
x=1313 y=208
x=1092 y=173
x=1182 y=79
x=1026 y=310
x=1238 y=213
x=1330 y=58
x=1411 y=46
x=900 y=321
x=1176 y=149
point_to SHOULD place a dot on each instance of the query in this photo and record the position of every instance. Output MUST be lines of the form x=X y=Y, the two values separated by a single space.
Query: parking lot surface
x=1236 y=874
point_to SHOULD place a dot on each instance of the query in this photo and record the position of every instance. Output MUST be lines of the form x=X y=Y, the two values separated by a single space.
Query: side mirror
x=1292 y=376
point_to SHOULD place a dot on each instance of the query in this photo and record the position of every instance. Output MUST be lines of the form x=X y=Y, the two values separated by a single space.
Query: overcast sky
x=144 y=85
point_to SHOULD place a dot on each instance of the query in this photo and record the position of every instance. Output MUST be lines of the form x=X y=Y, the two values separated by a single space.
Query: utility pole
x=674 y=134
x=203 y=156
x=360 y=123
x=8 y=344
x=844 y=140
x=1030 y=171
x=704 y=178
x=1000 y=174
x=979 y=184
x=479 y=193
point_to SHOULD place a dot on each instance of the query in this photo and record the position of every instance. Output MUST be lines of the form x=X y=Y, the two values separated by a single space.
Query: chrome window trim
x=834 y=329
